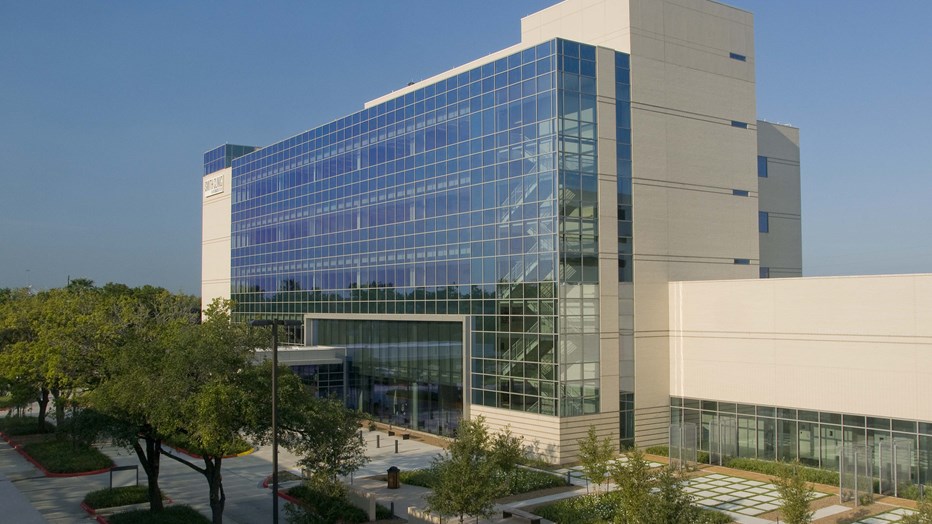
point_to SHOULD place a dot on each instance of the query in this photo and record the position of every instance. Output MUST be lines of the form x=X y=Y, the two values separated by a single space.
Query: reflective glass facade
x=474 y=196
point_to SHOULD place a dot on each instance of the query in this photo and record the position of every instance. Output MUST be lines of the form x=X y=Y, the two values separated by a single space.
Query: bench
x=515 y=512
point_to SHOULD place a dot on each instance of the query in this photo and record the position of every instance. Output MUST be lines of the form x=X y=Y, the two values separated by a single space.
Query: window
x=742 y=261
x=763 y=221
x=736 y=123
x=762 y=166
x=736 y=56
x=739 y=192
x=764 y=272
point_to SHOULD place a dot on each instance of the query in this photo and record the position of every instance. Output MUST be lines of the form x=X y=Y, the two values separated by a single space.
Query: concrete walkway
x=27 y=496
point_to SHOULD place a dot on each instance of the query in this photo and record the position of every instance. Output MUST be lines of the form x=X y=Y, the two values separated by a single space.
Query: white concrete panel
x=846 y=344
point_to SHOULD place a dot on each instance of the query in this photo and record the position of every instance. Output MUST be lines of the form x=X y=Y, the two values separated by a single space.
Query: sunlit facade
x=499 y=239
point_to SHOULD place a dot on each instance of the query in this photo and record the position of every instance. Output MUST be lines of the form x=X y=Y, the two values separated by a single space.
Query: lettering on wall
x=213 y=185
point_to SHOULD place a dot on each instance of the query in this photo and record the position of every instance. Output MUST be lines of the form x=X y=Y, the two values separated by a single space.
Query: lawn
x=15 y=426
x=170 y=515
x=61 y=456
x=123 y=496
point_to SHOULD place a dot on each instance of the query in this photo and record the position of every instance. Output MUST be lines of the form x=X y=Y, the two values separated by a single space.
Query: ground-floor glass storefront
x=816 y=438
x=405 y=373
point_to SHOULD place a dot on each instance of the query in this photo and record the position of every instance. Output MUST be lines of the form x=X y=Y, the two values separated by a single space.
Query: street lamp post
x=275 y=323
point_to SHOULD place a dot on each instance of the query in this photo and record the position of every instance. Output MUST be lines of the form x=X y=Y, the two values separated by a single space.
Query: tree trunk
x=43 y=406
x=215 y=482
x=149 y=458
x=59 y=408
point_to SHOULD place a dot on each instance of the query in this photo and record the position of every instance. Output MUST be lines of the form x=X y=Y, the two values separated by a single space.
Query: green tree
x=796 y=494
x=506 y=451
x=326 y=435
x=132 y=390
x=211 y=382
x=466 y=483
x=594 y=456
x=220 y=395
x=20 y=350
x=634 y=481
x=923 y=514
x=670 y=503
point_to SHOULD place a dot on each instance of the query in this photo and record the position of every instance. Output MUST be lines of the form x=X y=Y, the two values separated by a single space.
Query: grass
x=16 y=426
x=60 y=456
x=520 y=481
x=170 y=515
x=124 y=496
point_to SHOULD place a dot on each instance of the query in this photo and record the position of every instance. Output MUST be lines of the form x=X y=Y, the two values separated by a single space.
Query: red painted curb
x=291 y=499
x=102 y=519
x=90 y=511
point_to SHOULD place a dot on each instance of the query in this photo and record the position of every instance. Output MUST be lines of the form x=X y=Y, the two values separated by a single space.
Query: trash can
x=393 y=482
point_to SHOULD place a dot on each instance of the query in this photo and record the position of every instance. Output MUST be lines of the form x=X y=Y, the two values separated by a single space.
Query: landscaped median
x=54 y=457
x=329 y=507
x=113 y=500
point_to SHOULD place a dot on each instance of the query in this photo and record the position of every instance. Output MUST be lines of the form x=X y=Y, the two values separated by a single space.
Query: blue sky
x=106 y=109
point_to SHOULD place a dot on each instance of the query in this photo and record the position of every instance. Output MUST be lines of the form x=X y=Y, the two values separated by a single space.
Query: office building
x=500 y=239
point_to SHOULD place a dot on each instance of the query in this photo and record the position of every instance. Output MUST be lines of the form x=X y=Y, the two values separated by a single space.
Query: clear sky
x=107 y=107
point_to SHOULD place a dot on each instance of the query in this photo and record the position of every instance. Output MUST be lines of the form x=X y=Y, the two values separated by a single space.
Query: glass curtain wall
x=403 y=373
x=816 y=438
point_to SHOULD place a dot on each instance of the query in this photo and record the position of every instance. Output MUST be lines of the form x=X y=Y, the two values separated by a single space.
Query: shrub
x=318 y=506
x=525 y=480
x=14 y=426
x=109 y=498
x=424 y=478
x=520 y=480
x=587 y=509
x=766 y=467
x=911 y=491
x=58 y=456
x=663 y=451
x=170 y=515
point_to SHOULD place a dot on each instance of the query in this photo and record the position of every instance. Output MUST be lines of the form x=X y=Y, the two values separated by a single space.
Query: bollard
x=393 y=509
x=378 y=443
x=568 y=478
x=396 y=445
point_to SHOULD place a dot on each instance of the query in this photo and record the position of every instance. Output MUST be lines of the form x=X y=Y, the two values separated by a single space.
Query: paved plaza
x=736 y=494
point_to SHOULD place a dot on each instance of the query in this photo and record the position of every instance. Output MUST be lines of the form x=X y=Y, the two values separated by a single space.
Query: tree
x=506 y=451
x=132 y=391
x=20 y=348
x=634 y=482
x=594 y=455
x=796 y=494
x=670 y=503
x=466 y=481
x=209 y=378
x=326 y=435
